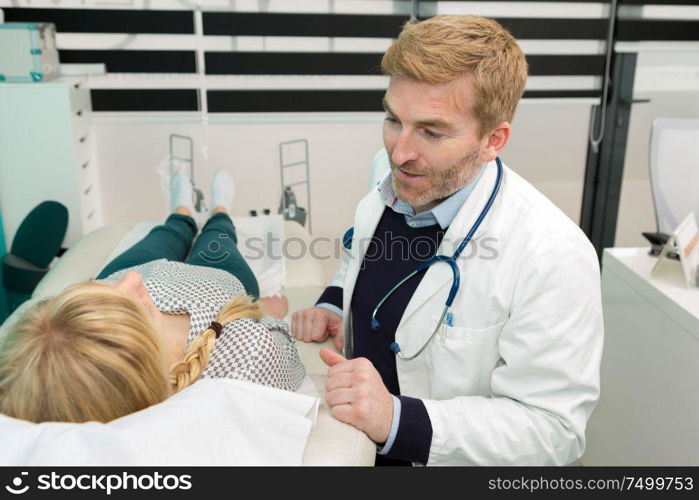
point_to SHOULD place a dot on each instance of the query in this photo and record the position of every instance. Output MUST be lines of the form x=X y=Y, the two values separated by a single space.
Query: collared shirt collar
x=443 y=214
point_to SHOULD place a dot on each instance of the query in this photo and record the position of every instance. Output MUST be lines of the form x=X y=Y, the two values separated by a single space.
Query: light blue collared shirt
x=443 y=214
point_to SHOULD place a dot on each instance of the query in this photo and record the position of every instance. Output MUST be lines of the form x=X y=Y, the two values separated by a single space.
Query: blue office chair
x=37 y=241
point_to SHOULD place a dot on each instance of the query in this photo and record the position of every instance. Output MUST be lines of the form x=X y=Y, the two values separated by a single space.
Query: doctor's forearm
x=412 y=441
x=331 y=295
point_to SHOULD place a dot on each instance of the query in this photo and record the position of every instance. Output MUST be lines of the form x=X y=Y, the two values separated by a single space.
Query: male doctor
x=512 y=374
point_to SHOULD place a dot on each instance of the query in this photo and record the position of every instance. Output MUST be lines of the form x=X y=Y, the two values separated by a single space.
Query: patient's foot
x=276 y=306
x=181 y=192
x=222 y=192
x=183 y=211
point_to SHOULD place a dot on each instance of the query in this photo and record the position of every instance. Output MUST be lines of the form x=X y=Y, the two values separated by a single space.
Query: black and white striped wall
x=265 y=71
x=315 y=55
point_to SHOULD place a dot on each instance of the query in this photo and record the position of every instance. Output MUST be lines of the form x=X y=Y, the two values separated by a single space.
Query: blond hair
x=446 y=48
x=92 y=353
x=189 y=370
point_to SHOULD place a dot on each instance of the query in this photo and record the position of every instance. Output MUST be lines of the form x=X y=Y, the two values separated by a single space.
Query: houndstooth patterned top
x=263 y=352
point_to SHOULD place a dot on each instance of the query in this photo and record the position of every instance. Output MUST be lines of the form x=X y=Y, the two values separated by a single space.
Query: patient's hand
x=276 y=306
x=316 y=324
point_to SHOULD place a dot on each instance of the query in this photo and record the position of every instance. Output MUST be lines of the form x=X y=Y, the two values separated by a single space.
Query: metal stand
x=290 y=210
x=605 y=167
x=197 y=195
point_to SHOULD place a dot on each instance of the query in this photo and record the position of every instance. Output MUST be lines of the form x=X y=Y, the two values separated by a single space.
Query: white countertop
x=667 y=287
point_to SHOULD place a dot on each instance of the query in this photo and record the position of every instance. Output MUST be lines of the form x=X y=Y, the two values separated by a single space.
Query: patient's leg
x=216 y=247
x=171 y=241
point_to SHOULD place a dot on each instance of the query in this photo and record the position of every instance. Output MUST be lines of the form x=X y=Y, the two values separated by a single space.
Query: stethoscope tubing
x=456 y=274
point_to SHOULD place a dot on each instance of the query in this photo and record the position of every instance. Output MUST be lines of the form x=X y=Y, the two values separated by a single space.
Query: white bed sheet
x=245 y=424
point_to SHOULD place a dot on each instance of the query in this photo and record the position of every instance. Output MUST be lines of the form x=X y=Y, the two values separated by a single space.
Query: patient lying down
x=157 y=319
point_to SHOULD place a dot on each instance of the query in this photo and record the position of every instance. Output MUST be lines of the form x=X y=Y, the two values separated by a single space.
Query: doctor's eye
x=390 y=119
x=431 y=134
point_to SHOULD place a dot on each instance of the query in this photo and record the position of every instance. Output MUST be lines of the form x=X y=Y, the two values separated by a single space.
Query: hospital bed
x=330 y=441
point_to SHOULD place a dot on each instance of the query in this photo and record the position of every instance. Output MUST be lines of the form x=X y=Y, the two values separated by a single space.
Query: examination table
x=330 y=442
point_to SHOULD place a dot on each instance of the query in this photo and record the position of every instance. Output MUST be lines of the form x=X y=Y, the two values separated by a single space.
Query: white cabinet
x=648 y=411
x=46 y=154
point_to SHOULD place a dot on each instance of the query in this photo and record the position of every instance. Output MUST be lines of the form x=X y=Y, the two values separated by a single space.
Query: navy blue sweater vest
x=395 y=250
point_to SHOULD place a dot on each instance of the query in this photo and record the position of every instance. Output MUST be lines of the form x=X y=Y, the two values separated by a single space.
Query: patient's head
x=97 y=352
x=90 y=353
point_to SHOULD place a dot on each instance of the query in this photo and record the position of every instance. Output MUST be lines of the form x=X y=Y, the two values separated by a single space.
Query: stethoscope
x=375 y=325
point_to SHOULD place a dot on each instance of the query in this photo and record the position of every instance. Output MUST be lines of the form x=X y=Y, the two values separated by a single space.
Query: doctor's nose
x=403 y=150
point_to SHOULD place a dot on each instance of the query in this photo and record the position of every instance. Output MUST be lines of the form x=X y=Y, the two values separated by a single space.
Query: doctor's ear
x=494 y=142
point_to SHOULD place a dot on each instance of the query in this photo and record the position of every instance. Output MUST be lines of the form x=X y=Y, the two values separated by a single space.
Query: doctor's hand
x=316 y=324
x=357 y=395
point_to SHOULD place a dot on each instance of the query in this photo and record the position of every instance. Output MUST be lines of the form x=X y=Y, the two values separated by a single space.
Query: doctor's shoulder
x=544 y=230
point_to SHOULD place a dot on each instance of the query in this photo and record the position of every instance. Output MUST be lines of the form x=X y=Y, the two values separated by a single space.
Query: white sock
x=181 y=191
x=222 y=190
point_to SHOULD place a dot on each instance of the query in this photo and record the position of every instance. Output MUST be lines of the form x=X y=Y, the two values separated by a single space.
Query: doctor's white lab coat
x=515 y=379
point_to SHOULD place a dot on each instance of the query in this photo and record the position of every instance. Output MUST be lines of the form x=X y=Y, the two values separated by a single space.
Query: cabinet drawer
x=80 y=112
x=86 y=174
x=89 y=198
x=80 y=103
x=83 y=166
x=93 y=219
x=83 y=150
x=81 y=131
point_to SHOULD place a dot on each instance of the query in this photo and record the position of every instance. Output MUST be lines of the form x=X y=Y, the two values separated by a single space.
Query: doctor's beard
x=443 y=183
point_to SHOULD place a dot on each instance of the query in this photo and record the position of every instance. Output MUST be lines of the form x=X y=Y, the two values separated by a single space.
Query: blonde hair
x=189 y=370
x=92 y=353
x=446 y=48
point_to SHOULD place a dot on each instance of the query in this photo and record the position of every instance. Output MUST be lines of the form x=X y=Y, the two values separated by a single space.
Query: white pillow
x=213 y=422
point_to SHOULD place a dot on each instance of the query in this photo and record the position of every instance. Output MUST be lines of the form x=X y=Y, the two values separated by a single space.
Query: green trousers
x=216 y=247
